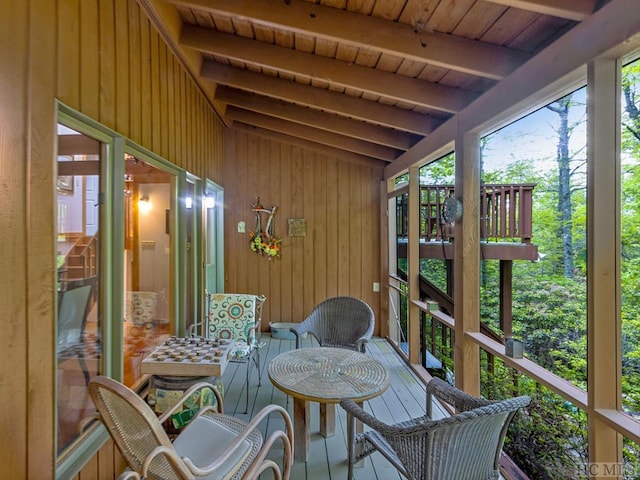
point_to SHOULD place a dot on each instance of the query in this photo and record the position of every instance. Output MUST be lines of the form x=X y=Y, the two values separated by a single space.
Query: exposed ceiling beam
x=310 y=145
x=438 y=49
x=318 y=98
x=577 y=10
x=314 y=118
x=376 y=82
x=309 y=133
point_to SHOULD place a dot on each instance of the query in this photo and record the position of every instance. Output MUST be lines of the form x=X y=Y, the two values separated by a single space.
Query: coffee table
x=324 y=375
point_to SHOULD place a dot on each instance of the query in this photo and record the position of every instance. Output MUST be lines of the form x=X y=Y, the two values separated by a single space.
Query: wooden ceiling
x=369 y=78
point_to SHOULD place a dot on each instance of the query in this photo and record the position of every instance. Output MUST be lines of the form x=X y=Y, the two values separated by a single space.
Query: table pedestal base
x=301 y=435
x=302 y=419
x=327 y=419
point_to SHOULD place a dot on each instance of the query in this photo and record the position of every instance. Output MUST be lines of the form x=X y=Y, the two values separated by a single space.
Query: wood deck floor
x=405 y=398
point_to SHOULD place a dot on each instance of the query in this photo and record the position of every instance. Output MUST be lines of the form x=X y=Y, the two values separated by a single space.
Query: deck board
x=405 y=398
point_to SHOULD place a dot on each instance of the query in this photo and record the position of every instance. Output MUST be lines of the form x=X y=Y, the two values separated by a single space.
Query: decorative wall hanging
x=263 y=240
x=297 y=227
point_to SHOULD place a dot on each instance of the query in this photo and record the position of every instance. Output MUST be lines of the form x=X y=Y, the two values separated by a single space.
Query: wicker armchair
x=343 y=322
x=464 y=446
x=211 y=446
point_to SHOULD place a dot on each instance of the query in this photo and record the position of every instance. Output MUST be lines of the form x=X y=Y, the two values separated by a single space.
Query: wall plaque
x=297 y=227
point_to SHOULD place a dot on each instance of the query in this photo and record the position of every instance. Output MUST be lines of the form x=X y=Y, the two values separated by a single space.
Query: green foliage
x=550 y=427
x=439 y=172
x=434 y=270
x=630 y=238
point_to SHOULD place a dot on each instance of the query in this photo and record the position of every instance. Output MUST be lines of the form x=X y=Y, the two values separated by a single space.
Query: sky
x=535 y=137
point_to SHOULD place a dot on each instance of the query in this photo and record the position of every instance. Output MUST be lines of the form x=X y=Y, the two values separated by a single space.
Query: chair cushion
x=207 y=436
x=233 y=316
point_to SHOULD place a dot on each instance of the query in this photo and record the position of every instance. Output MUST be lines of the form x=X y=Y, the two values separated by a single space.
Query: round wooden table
x=324 y=375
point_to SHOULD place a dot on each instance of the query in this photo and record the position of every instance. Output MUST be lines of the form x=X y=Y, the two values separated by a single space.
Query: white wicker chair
x=212 y=446
x=344 y=322
x=464 y=446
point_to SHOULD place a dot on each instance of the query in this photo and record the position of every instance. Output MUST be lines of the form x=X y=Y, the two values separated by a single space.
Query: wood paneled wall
x=102 y=58
x=340 y=201
x=115 y=67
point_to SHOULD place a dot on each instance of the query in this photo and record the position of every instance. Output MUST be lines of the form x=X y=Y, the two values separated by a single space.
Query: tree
x=565 y=172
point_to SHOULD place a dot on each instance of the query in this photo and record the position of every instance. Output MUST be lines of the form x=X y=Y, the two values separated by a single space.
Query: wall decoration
x=263 y=240
x=297 y=227
x=65 y=184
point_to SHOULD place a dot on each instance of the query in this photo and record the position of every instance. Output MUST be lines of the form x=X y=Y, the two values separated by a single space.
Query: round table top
x=327 y=375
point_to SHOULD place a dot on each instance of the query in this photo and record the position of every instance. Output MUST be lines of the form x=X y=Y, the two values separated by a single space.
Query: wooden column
x=466 y=293
x=506 y=296
x=603 y=256
x=413 y=265
x=386 y=246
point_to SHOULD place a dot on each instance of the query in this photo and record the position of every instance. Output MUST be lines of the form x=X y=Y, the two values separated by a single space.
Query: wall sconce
x=209 y=201
x=188 y=201
x=144 y=204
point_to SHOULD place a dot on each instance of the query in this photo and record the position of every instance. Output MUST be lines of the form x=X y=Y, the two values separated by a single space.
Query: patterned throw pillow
x=233 y=316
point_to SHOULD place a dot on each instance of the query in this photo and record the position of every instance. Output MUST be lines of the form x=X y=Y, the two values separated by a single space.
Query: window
x=126 y=232
x=148 y=252
x=537 y=167
x=398 y=288
x=78 y=243
x=630 y=231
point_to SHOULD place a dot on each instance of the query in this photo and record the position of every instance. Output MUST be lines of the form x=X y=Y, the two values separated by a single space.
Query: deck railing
x=505 y=212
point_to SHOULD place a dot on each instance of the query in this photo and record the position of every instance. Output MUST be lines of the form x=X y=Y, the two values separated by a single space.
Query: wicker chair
x=464 y=446
x=343 y=322
x=211 y=446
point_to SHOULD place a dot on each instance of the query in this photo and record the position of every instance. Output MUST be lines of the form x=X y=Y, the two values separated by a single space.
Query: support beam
x=466 y=294
x=604 y=349
x=396 y=88
x=315 y=135
x=315 y=118
x=371 y=33
x=413 y=266
x=318 y=98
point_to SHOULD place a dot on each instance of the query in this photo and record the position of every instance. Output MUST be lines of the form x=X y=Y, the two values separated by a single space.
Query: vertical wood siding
x=104 y=59
x=340 y=254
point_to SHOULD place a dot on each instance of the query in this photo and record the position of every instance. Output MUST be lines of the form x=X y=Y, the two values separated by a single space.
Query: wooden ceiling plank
x=509 y=25
x=284 y=38
x=479 y=20
x=389 y=10
x=310 y=117
x=448 y=15
x=363 y=7
x=578 y=10
x=469 y=56
x=304 y=43
x=243 y=27
x=309 y=133
x=418 y=12
x=377 y=82
x=321 y=99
